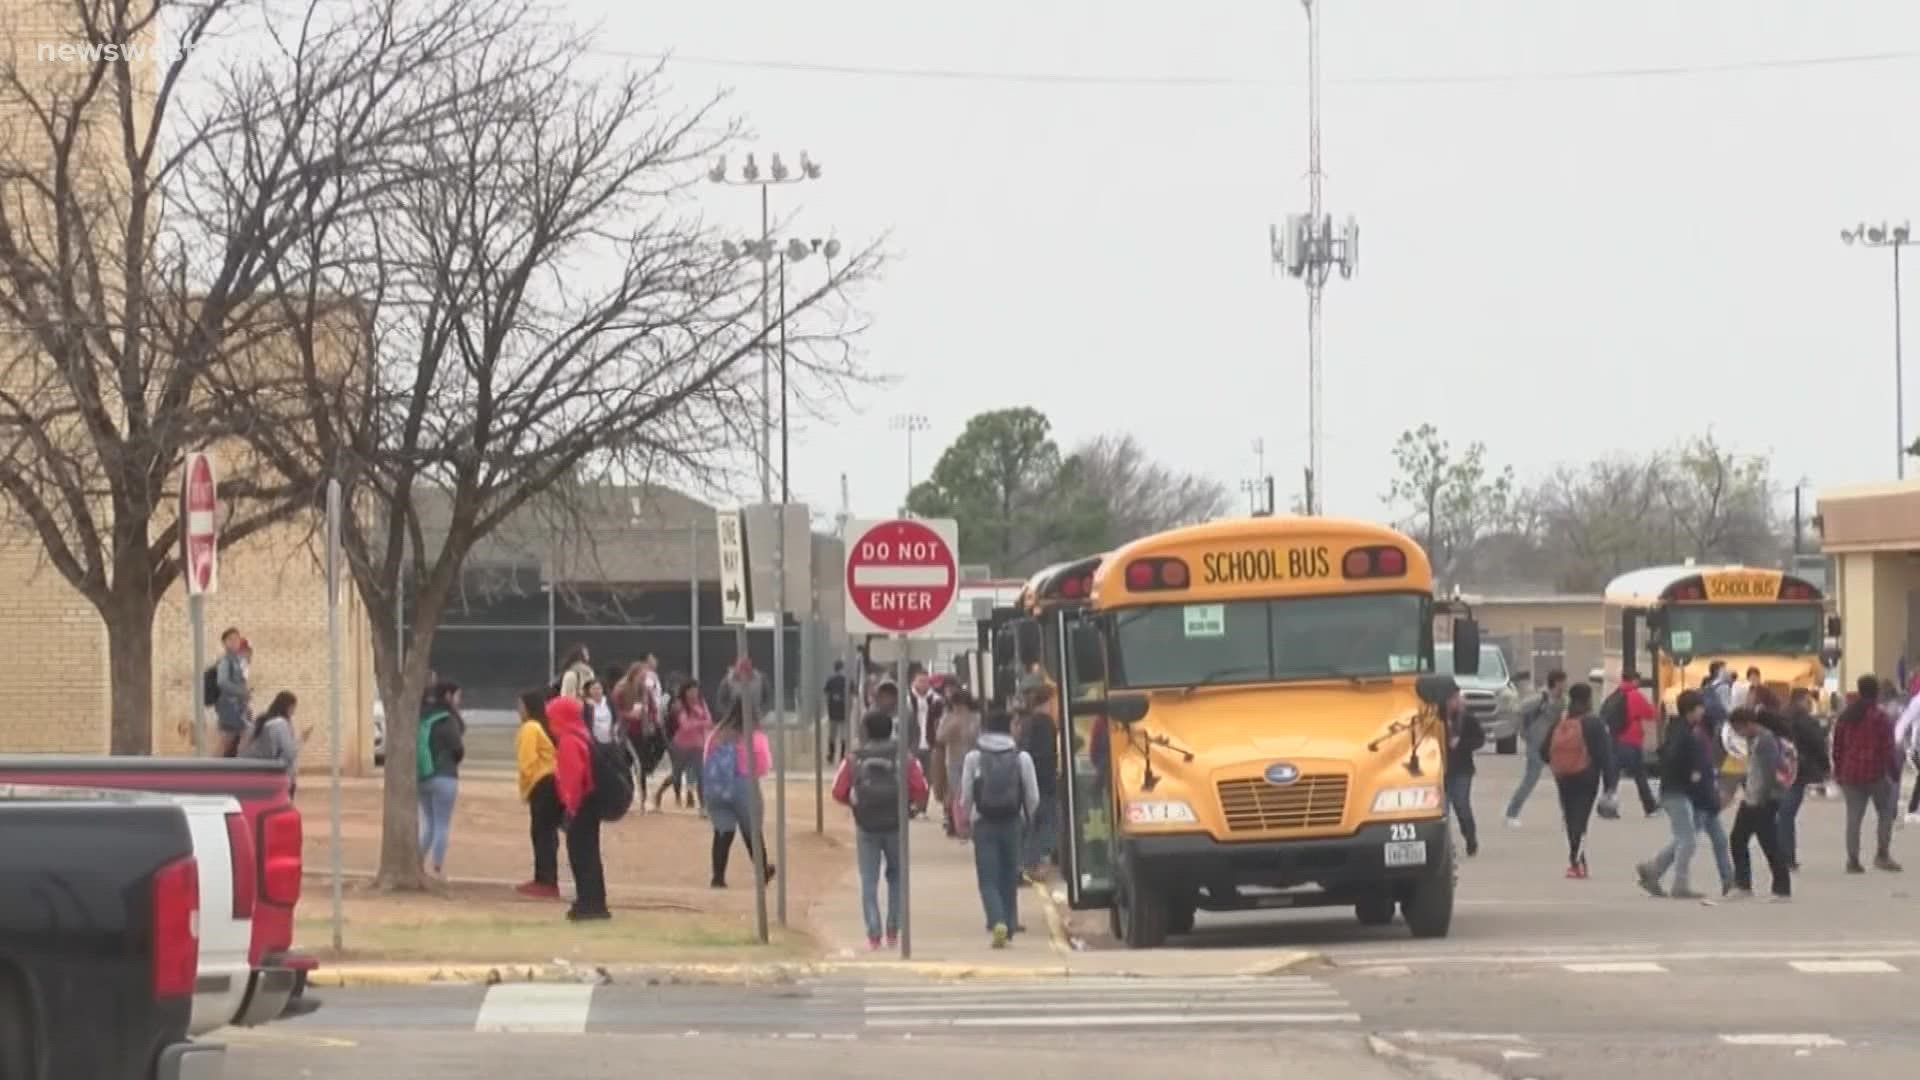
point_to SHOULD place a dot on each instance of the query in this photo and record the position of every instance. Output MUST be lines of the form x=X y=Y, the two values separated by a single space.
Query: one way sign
x=736 y=584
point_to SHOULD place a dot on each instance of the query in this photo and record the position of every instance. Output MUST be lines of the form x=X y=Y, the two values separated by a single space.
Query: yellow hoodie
x=534 y=749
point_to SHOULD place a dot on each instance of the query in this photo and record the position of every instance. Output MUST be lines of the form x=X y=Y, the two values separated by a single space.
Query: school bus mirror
x=1089 y=662
x=1003 y=651
x=1466 y=647
x=1682 y=659
x=1830 y=657
x=1120 y=708
x=1028 y=642
x=1833 y=626
x=1435 y=688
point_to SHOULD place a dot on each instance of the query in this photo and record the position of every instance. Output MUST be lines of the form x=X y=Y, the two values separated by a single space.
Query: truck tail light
x=176 y=928
x=240 y=844
x=280 y=856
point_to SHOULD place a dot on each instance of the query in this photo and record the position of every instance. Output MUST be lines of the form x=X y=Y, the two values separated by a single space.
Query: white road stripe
x=543 y=1007
x=1601 y=956
x=1458 y=1037
x=1318 y=1001
x=1630 y=967
x=1811 y=1042
x=1193 y=1019
x=1844 y=967
x=883 y=577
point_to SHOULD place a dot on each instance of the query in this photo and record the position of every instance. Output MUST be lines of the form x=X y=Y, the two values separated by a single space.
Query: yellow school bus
x=1271 y=722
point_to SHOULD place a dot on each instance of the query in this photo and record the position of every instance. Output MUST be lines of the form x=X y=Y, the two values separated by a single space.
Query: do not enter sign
x=902 y=575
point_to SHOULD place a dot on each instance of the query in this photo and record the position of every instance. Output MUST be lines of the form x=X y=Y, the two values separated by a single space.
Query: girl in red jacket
x=573 y=774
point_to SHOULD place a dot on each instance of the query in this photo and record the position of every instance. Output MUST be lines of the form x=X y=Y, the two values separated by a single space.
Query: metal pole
x=1799 y=536
x=553 y=652
x=780 y=700
x=820 y=733
x=693 y=599
x=900 y=733
x=756 y=815
x=333 y=703
x=766 y=375
x=197 y=714
x=1316 y=269
x=1899 y=377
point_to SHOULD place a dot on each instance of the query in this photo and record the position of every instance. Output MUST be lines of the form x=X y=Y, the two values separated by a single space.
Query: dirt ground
x=658 y=866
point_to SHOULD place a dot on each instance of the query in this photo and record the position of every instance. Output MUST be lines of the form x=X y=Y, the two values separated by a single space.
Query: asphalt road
x=1542 y=978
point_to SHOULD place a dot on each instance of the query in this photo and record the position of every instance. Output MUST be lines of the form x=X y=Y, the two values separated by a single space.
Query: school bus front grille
x=1315 y=801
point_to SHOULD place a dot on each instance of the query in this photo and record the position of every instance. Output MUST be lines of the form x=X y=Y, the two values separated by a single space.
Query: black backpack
x=998 y=791
x=876 y=789
x=1614 y=712
x=612 y=778
x=210 y=686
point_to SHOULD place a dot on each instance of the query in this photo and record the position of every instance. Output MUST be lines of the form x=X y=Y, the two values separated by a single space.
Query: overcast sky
x=1557 y=266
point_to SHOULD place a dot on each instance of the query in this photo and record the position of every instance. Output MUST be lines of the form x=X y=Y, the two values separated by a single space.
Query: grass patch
x=543 y=934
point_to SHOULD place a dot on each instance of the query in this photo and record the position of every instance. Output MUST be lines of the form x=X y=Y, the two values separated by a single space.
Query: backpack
x=1788 y=769
x=1614 y=712
x=612 y=767
x=423 y=759
x=1567 y=749
x=210 y=685
x=997 y=790
x=876 y=789
x=720 y=773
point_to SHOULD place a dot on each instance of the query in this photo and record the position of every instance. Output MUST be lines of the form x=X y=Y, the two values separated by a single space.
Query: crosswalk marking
x=1197 y=1018
x=1624 y=967
x=1801 y=1042
x=1844 y=967
x=1107 y=1002
x=536 y=1007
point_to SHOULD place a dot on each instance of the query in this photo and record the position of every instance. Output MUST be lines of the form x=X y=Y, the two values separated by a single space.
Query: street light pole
x=909 y=423
x=1896 y=237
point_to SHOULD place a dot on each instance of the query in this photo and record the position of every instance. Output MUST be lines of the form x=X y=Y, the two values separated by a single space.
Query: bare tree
x=1140 y=495
x=530 y=309
x=1451 y=501
x=147 y=201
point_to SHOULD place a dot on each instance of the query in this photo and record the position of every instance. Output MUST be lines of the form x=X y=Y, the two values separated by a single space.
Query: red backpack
x=1567 y=747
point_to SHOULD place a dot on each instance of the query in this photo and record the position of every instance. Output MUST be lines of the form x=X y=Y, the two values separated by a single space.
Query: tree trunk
x=130 y=674
x=402 y=685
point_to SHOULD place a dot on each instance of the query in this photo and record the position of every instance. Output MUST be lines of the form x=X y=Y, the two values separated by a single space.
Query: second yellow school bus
x=1272 y=739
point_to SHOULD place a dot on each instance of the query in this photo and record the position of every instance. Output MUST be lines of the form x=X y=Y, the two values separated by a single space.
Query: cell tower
x=1307 y=247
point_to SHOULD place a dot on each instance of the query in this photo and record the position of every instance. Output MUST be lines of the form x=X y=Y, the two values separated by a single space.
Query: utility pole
x=1896 y=237
x=909 y=423
x=1308 y=248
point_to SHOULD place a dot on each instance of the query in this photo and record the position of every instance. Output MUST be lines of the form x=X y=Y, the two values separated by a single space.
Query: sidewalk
x=947 y=928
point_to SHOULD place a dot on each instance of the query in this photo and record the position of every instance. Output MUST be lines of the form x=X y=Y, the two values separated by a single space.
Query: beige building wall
x=1540 y=633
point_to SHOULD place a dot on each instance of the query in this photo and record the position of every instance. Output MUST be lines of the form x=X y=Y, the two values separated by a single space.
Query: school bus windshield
x=1261 y=641
x=1716 y=629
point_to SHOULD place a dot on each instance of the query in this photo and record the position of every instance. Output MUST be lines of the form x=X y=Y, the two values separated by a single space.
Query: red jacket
x=1639 y=714
x=1863 y=751
x=916 y=782
x=572 y=760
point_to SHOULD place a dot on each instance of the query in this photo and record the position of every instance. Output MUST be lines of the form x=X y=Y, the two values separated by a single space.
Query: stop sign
x=199 y=529
x=902 y=575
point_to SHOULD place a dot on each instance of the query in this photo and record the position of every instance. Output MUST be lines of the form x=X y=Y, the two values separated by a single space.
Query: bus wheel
x=1375 y=910
x=1141 y=909
x=1180 y=915
x=1429 y=909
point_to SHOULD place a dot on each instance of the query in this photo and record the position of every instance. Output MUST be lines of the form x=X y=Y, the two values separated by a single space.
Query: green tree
x=1019 y=505
x=1450 y=500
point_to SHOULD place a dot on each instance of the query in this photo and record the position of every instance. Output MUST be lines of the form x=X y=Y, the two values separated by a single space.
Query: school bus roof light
x=1375 y=562
x=1148 y=575
x=1073 y=588
x=1797 y=592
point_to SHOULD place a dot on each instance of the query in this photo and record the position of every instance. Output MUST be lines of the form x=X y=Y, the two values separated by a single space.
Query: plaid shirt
x=1863 y=750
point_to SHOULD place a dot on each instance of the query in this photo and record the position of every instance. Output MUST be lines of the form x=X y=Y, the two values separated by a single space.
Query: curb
x=1057 y=935
x=341 y=976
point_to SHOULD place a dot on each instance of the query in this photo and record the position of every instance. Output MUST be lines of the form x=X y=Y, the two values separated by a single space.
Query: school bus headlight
x=1401 y=800
x=1160 y=812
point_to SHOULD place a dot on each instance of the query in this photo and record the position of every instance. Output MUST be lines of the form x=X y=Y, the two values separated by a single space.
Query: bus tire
x=19 y=1047
x=1180 y=915
x=1375 y=910
x=1429 y=908
x=1142 y=911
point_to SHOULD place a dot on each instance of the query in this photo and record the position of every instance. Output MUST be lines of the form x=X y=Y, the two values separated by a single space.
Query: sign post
x=200 y=559
x=901 y=578
x=333 y=698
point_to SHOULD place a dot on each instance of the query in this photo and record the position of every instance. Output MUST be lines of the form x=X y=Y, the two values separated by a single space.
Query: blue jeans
x=1460 y=800
x=436 y=817
x=1533 y=767
x=870 y=849
x=1716 y=830
x=996 y=862
x=1678 y=854
x=1040 y=837
x=1790 y=823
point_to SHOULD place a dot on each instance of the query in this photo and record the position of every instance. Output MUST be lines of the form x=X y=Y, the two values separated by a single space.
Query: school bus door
x=1086 y=836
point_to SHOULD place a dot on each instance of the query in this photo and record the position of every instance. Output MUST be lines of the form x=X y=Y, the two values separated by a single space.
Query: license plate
x=1407 y=853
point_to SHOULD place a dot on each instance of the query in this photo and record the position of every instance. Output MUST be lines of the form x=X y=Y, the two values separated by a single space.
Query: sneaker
x=873 y=944
x=574 y=915
x=1738 y=893
x=1777 y=898
x=1855 y=868
x=538 y=890
x=1686 y=894
x=1513 y=823
x=1913 y=818
x=1575 y=873
x=1473 y=849
x=1000 y=935
x=717 y=883
x=893 y=939
x=1648 y=880
x=1885 y=862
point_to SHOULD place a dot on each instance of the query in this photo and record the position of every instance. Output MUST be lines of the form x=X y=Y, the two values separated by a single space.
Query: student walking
x=533 y=750
x=1770 y=768
x=998 y=790
x=1537 y=718
x=573 y=781
x=1580 y=755
x=442 y=746
x=959 y=731
x=729 y=787
x=1464 y=737
x=1816 y=768
x=1040 y=742
x=233 y=703
x=687 y=726
x=271 y=738
x=1864 y=762
x=1687 y=790
x=1628 y=714
x=869 y=783
x=835 y=695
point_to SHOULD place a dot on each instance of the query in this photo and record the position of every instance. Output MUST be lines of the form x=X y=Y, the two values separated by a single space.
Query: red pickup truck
x=279 y=978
